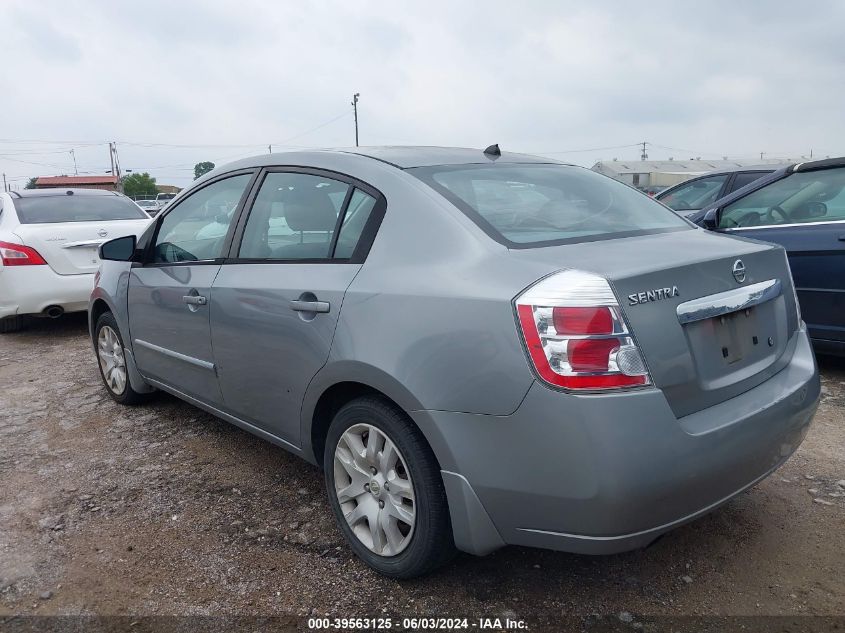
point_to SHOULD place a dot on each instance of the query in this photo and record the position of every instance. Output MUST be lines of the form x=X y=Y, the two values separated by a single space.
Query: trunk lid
x=70 y=248
x=707 y=360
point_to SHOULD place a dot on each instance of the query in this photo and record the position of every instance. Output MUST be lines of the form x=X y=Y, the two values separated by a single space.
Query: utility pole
x=355 y=111
x=761 y=155
x=269 y=149
x=115 y=166
x=643 y=155
x=75 y=170
x=4 y=183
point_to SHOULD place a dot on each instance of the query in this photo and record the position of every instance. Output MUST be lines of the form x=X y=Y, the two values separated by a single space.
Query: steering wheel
x=770 y=214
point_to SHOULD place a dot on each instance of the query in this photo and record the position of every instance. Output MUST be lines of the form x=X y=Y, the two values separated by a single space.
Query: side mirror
x=711 y=220
x=121 y=249
x=816 y=209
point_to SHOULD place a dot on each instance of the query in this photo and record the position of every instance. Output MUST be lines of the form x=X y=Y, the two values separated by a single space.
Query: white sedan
x=48 y=248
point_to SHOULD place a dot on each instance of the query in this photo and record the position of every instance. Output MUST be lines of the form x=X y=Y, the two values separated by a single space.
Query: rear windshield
x=540 y=205
x=76 y=208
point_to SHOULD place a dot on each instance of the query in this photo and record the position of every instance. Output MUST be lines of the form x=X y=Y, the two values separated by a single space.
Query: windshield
x=545 y=204
x=76 y=208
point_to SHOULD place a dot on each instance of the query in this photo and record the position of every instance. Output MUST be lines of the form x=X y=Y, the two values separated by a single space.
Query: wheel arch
x=337 y=384
x=98 y=308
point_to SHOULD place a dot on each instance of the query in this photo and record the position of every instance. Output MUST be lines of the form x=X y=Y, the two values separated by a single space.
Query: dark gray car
x=478 y=348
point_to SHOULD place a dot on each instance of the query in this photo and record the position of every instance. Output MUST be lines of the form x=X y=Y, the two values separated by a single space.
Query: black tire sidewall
x=431 y=535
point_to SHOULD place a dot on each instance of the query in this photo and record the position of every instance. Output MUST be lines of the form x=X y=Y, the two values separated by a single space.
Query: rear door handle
x=842 y=238
x=195 y=300
x=310 y=306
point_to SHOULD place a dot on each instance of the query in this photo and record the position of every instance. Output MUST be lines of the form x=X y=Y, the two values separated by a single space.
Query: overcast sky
x=226 y=79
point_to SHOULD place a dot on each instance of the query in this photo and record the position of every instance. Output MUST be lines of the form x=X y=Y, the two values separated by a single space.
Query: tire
x=106 y=333
x=411 y=552
x=11 y=324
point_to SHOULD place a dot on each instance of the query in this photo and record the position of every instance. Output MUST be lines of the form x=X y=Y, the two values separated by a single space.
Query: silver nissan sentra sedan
x=478 y=348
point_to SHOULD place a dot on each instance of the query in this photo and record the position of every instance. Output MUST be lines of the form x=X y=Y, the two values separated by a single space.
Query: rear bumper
x=603 y=474
x=31 y=289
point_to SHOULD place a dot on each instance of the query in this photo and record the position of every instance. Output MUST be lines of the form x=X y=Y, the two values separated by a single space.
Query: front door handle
x=310 y=306
x=842 y=238
x=195 y=300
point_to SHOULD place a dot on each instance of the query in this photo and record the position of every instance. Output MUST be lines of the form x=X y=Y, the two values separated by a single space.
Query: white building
x=665 y=173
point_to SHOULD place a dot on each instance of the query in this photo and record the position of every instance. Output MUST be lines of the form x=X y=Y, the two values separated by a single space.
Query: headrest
x=310 y=210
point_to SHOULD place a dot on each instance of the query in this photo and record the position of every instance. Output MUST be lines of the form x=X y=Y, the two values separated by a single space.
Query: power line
x=589 y=149
x=313 y=129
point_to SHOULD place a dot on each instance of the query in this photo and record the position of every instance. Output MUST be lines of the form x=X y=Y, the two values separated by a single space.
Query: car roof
x=403 y=157
x=62 y=191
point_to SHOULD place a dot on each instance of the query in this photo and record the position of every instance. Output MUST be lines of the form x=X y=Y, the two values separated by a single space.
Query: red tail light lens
x=19 y=255
x=576 y=335
x=581 y=320
x=590 y=354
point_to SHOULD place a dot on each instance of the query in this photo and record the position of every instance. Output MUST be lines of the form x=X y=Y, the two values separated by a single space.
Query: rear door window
x=76 y=208
x=535 y=205
x=740 y=180
x=696 y=194
x=294 y=216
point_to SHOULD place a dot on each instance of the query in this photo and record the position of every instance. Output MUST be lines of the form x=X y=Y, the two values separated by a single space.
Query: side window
x=196 y=228
x=814 y=196
x=361 y=206
x=740 y=180
x=696 y=194
x=294 y=217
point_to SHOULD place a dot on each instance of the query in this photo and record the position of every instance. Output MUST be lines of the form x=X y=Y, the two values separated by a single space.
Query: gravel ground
x=162 y=509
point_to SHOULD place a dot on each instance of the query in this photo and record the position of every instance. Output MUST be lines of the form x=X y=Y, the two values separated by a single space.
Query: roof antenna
x=493 y=151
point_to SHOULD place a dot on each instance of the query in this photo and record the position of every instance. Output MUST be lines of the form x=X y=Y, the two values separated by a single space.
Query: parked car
x=802 y=208
x=478 y=349
x=691 y=195
x=48 y=248
x=151 y=207
x=163 y=199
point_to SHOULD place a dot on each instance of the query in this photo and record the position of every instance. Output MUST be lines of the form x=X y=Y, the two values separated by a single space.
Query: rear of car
x=48 y=248
x=672 y=368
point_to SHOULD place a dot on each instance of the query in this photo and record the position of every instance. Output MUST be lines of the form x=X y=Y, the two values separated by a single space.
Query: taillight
x=576 y=335
x=19 y=255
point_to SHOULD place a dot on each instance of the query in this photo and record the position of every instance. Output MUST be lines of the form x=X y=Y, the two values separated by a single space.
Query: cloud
x=722 y=78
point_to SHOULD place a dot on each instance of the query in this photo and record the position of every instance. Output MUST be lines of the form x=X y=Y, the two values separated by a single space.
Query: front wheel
x=112 y=361
x=386 y=491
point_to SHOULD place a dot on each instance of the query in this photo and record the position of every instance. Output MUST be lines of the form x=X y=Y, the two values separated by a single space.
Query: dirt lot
x=162 y=509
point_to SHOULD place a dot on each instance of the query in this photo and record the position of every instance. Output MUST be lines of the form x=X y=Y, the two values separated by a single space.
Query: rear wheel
x=112 y=361
x=385 y=489
x=11 y=324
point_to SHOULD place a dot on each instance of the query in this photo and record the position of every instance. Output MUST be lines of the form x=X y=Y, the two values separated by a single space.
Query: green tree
x=31 y=183
x=202 y=168
x=137 y=185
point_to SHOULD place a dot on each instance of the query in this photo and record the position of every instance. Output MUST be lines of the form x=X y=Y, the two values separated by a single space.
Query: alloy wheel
x=112 y=360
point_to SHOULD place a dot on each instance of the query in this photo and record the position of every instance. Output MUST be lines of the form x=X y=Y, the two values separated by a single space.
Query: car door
x=168 y=295
x=804 y=213
x=275 y=302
